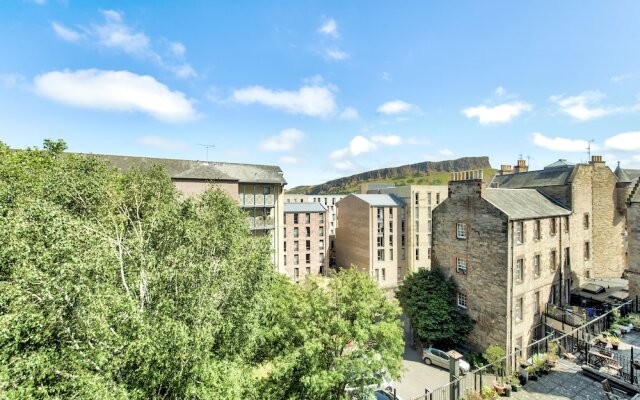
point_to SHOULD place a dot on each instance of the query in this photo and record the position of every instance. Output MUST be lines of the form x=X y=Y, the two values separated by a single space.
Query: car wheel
x=427 y=361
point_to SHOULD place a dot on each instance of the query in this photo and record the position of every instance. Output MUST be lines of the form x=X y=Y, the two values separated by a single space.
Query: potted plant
x=601 y=339
x=552 y=354
x=615 y=342
x=499 y=386
x=473 y=395
x=488 y=393
x=532 y=372
x=516 y=383
x=616 y=329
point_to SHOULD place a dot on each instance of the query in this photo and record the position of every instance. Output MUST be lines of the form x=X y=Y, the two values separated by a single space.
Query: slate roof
x=304 y=207
x=554 y=176
x=378 y=186
x=622 y=175
x=380 y=200
x=524 y=203
x=561 y=163
x=201 y=170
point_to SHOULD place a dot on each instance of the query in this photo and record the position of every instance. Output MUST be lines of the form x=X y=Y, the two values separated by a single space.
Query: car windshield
x=380 y=395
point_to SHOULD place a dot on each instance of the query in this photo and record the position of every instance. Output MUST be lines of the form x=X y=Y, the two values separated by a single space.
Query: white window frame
x=462 y=300
x=461 y=230
x=461 y=265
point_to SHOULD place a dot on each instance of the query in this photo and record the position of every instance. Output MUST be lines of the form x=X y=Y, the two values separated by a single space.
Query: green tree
x=429 y=301
x=326 y=336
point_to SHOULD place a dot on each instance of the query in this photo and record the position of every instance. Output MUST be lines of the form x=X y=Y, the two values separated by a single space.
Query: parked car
x=440 y=358
x=384 y=383
x=379 y=394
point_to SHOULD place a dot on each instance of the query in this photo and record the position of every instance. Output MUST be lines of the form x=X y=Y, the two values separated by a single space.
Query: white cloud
x=314 y=101
x=290 y=160
x=115 y=91
x=445 y=152
x=336 y=54
x=385 y=76
x=329 y=28
x=344 y=165
x=500 y=91
x=284 y=141
x=620 y=78
x=115 y=34
x=358 y=145
x=10 y=81
x=561 y=144
x=349 y=114
x=499 y=114
x=183 y=71
x=163 y=143
x=388 y=140
x=395 y=107
x=65 y=33
x=628 y=141
x=178 y=49
x=579 y=107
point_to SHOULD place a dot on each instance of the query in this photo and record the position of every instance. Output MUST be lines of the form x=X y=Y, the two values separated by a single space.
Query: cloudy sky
x=324 y=89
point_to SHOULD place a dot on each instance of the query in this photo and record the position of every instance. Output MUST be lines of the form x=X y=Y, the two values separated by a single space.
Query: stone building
x=329 y=201
x=369 y=236
x=419 y=200
x=257 y=188
x=526 y=240
x=305 y=239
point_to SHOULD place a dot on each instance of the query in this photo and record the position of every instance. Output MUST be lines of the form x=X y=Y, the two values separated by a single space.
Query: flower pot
x=614 y=346
x=533 y=377
x=515 y=388
x=636 y=365
x=507 y=391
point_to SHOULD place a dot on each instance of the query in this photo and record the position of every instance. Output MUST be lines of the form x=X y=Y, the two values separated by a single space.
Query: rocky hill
x=424 y=173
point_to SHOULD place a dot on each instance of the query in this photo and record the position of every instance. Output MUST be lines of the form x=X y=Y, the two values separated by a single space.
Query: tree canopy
x=429 y=301
x=114 y=286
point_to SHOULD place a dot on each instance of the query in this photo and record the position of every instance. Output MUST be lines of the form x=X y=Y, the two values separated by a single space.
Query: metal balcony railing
x=257 y=200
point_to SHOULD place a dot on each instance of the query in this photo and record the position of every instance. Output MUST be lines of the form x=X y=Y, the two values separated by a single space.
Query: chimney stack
x=596 y=159
x=506 y=169
x=521 y=166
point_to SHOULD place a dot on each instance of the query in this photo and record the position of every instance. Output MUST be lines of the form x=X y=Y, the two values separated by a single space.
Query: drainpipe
x=510 y=336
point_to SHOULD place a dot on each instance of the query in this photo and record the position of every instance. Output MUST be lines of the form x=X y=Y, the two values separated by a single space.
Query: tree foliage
x=113 y=286
x=429 y=301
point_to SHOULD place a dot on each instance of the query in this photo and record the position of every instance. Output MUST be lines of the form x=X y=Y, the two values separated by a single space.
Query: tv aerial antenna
x=589 y=149
x=207 y=147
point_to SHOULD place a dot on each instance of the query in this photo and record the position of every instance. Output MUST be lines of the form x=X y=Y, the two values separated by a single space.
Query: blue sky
x=324 y=89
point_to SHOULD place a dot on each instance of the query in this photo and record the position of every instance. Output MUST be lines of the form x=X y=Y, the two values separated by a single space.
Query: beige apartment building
x=329 y=201
x=419 y=200
x=369 y=236
x=257 y=188
x=305 y=240
x=525 y=240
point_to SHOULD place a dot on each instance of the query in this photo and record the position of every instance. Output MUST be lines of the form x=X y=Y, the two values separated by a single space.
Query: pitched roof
x=621 y=175
x=524 y=203
x=380 y=200
x=304 y=207
x=561 y=163
x=201 y=170
x=554 y=176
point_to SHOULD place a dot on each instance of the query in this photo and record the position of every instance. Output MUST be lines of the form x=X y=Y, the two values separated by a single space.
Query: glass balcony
x=257 y=200
x=261 y=222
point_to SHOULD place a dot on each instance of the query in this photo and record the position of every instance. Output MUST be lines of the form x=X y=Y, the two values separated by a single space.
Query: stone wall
x=353 y=238
x=633 y=249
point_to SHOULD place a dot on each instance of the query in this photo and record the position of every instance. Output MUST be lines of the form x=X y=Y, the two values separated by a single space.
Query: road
x=417 y=375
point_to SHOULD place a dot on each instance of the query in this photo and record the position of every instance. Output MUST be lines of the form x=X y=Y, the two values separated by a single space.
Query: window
x=586 y=221
x=284 y=233
x=380 y=254
x=308 y=245
x=384 y=275
x=296 y=274
x=308 y=270
x=295 y=232
x=285 y=246
x=520 y=232
x=417 y=254
x=416 y=197
x=322 y=218
x=536 y=265
x=308 y=231
x=566 y=223
x=380 y=213
x=321 y=257
x=307 y=258
x=553 y=260
x=307 y=218
x=403 y=255
x=321 y=231
x=295 y=246
x=461 y=265
x=461 y=230
x=429 y=198
x=333 y=201
x=417 y=240
x=390 y=213
x=390 y=226
x=402 y=225
x=417 y=224
x=380 y=241
x=295 y=218
x=553 y=226
x=266 y=190
x=390 y=240
x=567 y=257
x=587 y=251
x=402 y=240
x=462 y=300
x=537 y=233
x=377 y=273
x=519 y=270
x=416 y=212
x=536 y=297
x=518 y=311
x=285 y=259
x=296 y=259
x=390 y=254
x=321 y=247
x=437 y=198
x=587 y=274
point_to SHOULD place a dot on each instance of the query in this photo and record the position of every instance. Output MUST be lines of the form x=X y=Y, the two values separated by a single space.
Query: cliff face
x=423 y=168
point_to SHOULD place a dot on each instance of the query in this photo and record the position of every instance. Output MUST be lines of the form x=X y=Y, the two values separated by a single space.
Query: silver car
x=437 y=357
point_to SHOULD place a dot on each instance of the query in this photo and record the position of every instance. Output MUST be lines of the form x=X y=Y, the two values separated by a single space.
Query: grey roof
x=378 y=186
x=561 y=163
x=304 y=207
x=622 y=175
x=524 y=203
x=633 y=174
x=547 y=177
x=201 y=170
x=380 y=200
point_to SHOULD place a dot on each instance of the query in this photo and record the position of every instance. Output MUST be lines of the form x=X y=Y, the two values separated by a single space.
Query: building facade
x=305 y=240
x=369 y=234
x=258 y=189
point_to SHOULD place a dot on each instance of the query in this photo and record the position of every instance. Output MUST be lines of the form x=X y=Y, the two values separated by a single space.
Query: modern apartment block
x=329 y=201
x=257 y=188
x=305 y=240
x=526 y=240
x=369 y=236
x=419 y=200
